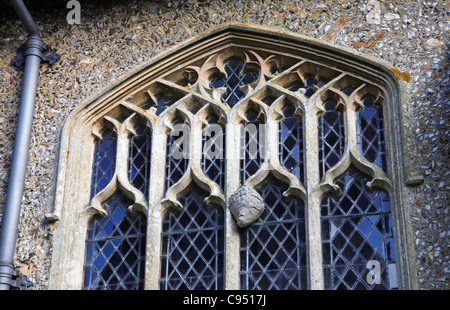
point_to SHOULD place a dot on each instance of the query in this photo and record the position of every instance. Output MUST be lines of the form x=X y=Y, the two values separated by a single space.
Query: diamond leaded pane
x=177 y=156
x=139 y=160
x=252 y=140
x=371 y=133
x=273 y=249
x=115 y=247
x=291 y=143
x=104 y=161
x=234 y=80
x=193 y=244
x=213 y=155
x=357 y=230
x=331 y=137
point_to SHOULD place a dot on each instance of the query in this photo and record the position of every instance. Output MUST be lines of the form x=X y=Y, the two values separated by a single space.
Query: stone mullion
x=271 y=152
x=195 y=146
x=313 y=196
x=122 y=151
x=232 y=243
x=156 y=210
x=350 y=126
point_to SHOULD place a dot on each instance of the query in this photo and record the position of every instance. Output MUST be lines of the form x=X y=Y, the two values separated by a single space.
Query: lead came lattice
x=356 y=229
x=116 y=248
x=371 y=133
x=331 y=137
x=291 y=143
x=273 y=249
x=193 y=245
x=104 y=161
x=213 y=154
x=273 y=98
x=140 y=160
x=234 y=80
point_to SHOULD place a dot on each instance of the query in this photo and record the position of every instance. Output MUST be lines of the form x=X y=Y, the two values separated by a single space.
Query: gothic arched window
x=300 y=132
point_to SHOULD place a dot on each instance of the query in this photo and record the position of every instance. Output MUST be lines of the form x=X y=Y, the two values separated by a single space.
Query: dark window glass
x=163 y=102
x=331 y=137
x=139 y=160
x=309 y=84
x=357 y=233
x=177 y=157
x=252 y=138
x=213 y=155
x=273 y=249
x=104 y=161
x=291 y=143
x=115 y=248
x=193 y=244
x=234 y=80
x=371 y=133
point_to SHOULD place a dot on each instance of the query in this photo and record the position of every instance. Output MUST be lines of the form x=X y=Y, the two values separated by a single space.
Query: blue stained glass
x=104 y=161
x=115 y=248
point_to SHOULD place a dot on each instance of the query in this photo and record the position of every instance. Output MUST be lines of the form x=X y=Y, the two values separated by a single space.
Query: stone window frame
x=73 y=206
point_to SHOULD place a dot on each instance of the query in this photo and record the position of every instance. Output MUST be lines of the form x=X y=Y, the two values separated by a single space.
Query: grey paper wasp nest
x=246 y=205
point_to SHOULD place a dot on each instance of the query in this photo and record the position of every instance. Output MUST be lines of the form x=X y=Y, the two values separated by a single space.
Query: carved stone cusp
x=246 y=205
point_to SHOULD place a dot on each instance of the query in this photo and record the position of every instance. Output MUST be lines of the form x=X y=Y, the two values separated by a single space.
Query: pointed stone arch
x=180 y=79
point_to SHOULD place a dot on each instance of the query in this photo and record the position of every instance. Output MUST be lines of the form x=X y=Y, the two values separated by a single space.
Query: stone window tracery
x=309 y=138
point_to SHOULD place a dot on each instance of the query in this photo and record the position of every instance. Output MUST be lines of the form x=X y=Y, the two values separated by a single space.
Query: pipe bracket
x=7 y=273
x=35 y=46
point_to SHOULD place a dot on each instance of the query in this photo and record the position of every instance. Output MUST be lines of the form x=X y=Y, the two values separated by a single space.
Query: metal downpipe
x=8 y=234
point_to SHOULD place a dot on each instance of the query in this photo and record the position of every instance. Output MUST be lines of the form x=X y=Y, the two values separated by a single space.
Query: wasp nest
x=246 y=205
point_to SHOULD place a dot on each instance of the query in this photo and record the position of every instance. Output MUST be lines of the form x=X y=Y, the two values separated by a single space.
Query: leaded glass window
x=306 y=132
x=177 y=155
x=236 y=77
x=371 y=133
x=104 y=161
x=116 y=235
x=291 y=143
x=139 y=160
x=252 y=151
x=213 y=150
x=331 y=136
x=356 y=233
x=193 y=245
x=116 y=248
x=273 y=250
